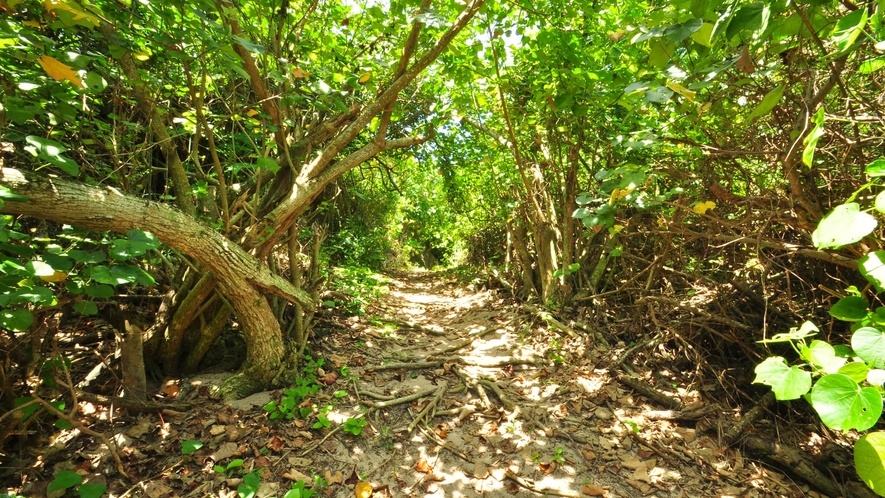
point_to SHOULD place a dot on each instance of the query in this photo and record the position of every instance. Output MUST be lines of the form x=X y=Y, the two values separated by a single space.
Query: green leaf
x=99 y=291
x=871 y=66
x=93 y=490
x=869 y=460
x=872 y=267
x=40 y=269
x=679 y=32
x=703 y=35
x=856 y=370
x=752 y=17
x=189 y=446
x=869 y=344
x=769 y=102
x=86 y=308
x=807 y=329
x=787 y=382
x=876 y=168
x=879 y=203
x=843 y=405
x=844 y=225
x=268 y=163
x=848 y=29
x=248 y=45
x=86 y=257
x=9 y=195
x=823 y=356
x=17 y=319
x=64 y=480
x=850 y=309
x=810 y=141
x=51 y=151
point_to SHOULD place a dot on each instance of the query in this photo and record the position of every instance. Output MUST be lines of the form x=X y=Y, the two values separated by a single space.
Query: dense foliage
x=585 y=152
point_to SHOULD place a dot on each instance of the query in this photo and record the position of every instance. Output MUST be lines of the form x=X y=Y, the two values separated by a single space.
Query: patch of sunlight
x=538 y=392
x=591 y=385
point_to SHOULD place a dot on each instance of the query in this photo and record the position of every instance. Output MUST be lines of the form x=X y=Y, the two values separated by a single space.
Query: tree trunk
x=238 y=273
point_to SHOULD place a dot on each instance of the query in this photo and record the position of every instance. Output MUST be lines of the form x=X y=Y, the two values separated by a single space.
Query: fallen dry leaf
x=226 y=450
x=328 y=379
x=336 y=478
x=588 y=453
x=276 y=444
x=423 y=467
x=294 y=475
x=140 y=428
x=593 y=490
x=363 y=490
x=480 y=470
x=641 y=474
x=547 y=468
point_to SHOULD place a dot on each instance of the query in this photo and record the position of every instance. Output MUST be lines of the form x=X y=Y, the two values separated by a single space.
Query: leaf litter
x=462 y=393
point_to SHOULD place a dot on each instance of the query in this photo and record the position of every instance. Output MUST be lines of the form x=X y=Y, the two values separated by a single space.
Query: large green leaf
x=848 y=29
x=16 y=319
x=843 y=405
x=872 y=267
x=769 y=102
x=787 y=382
x=823 y=356
x=751 y=17
x=850 y=309
x=869 y=460
x=92 y=490
x=869 y=344
x=51 y=151
x=845 y=225
x=64 y=480
x=681 y=31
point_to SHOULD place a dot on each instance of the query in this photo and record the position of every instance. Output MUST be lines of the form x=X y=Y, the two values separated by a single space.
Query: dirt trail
x=464 y=395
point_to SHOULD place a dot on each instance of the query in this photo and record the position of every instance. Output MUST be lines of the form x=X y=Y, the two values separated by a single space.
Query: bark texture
x=238 y=273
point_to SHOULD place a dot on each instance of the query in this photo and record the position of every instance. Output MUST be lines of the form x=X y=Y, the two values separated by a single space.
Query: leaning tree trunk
x=239 y=276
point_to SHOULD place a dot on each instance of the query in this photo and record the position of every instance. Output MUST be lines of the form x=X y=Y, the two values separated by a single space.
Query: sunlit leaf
x=769 y=102
x=848 y=29
x=60 y=71
x=845 y=225
x=703 y=207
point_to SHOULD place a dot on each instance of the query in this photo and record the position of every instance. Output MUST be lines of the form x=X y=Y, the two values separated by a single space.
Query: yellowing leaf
x=58 y=276
x=59 y=71
x=33 y=24
x=703 y=207
x=363 y=490
x=142 y=56
x=79 y=15
x=299 y=73
x=252 y=112
x=681 y=90
x=364 y=78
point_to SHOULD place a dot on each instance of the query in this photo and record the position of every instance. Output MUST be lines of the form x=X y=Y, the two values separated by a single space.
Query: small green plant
x=299 y=490
x=189 y=446
x=291 y=399
x=323 y=421
x=847 y=387
x=68 y=479
x=354 y=425
x=319 y=483
x=557 y=457
x=230 y=467
x=250 y=484
x=633 y=426
x=511 y=429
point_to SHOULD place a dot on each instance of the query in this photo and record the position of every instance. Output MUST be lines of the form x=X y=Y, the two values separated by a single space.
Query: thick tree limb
x=304 y=188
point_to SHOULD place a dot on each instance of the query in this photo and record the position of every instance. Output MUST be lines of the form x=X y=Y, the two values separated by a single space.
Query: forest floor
x=464 y=393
